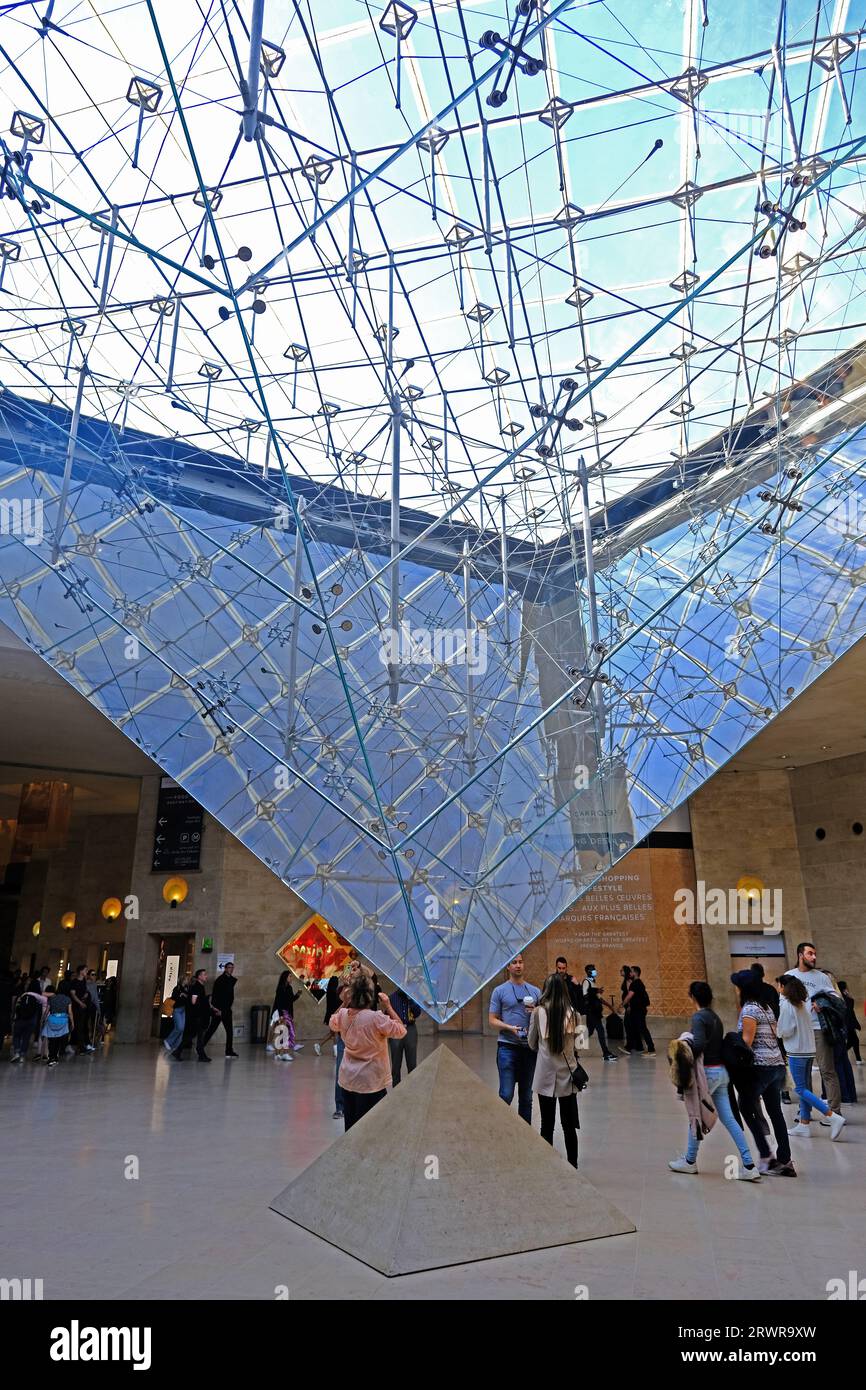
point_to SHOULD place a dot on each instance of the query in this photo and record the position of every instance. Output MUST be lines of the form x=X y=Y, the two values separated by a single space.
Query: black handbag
x=579 y=1076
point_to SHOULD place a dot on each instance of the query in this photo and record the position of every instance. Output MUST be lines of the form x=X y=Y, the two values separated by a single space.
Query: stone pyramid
x=500 y=1188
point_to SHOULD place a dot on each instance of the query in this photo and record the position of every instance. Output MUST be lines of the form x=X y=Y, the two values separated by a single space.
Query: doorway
x=176 y=954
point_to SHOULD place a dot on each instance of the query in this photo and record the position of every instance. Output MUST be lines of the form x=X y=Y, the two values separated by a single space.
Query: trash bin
x=259 y=1023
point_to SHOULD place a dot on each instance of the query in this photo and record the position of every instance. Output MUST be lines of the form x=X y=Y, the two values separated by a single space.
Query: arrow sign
x=178 y=830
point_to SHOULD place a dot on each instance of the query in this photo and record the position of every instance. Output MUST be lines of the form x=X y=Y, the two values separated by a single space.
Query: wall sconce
x=36 y=928
x=67 y=921
x=174 y=891
x=750 y=887
x=111 y=909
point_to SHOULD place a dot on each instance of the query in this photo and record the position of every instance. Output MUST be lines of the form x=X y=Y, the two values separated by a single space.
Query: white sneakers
x=317 y=1048
x=682 y=1165
x=749 y=1174
x=835 y=1124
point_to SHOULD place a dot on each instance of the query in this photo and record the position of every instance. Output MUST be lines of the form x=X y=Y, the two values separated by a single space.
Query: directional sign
x=178 y=830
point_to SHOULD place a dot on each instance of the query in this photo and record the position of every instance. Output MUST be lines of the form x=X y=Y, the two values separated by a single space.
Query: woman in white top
x=551 y=1034
x=795 y=1030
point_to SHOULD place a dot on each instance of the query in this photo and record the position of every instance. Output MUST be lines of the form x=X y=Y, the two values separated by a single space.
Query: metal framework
x=432 y=431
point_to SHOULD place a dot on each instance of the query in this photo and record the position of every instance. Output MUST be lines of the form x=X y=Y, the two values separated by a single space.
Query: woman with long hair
x=284 y=1008
x=796 y=1032
x=552 y=1030
x=763 y=1080
x=365 y=1022
x=705 y=1036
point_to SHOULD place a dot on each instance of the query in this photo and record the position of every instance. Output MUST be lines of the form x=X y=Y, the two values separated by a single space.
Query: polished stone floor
x=213 y=1145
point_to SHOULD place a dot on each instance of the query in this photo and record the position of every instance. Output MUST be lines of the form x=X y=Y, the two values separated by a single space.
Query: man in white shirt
x=815 y=980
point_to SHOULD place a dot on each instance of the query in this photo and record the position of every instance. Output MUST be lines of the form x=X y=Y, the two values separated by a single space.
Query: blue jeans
x=801 y=1070
x=516 y=1067
x=178 y=1019
x=338 y=1090
x=717 y=1081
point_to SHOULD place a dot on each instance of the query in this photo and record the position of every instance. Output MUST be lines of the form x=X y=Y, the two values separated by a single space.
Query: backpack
x=614 y=1025
x=27 y=1009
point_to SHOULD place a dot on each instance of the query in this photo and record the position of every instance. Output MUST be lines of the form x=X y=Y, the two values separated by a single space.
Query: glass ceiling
x=392 y=246
x=444 y=481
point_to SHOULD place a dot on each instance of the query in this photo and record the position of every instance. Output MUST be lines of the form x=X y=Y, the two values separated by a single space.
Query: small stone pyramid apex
x=441 y=1172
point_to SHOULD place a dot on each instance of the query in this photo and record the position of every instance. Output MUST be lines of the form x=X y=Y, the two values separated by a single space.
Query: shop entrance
x=176 y=954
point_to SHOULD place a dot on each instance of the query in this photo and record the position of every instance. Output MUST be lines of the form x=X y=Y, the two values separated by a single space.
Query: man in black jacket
x=636 y=1003
x=222 y=1000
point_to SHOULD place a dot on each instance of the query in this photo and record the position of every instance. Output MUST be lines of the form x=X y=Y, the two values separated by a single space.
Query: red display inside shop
x=315 y=951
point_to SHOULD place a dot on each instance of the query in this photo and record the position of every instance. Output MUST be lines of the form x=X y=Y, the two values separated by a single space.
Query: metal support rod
x=169 y=381
x=843 y=96
x=590 y=580
x=109 y=252
x=485 y=174
x=138 y=130
x=292 y=679
x=251 y=102
x=102 y=236
x=786 y=103
x=394 y=577
x=503 y=553
x=63 y=501
x=469 y=745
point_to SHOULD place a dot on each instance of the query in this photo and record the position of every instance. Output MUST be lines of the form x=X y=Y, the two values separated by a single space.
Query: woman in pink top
x=365 y=1070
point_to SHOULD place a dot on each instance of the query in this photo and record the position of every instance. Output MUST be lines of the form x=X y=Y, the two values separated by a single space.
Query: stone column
x=199 y=915
x=743 y=824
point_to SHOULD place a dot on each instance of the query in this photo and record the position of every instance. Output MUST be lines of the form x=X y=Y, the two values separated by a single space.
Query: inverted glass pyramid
x=440 y=512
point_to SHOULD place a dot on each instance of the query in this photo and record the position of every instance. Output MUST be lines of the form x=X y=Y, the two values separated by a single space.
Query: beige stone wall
x=743 y=823
x=198 y=915
x=95 y=864
x=832 y=796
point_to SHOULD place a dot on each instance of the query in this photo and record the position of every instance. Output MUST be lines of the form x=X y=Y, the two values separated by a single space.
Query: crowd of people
x=48 y=1021
x=743 y=1078
x=540 y=1030
x=740 y=1078
x=196 y=1015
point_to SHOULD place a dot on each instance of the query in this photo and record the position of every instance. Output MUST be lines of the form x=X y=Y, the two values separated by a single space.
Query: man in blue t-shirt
x=511 y=1008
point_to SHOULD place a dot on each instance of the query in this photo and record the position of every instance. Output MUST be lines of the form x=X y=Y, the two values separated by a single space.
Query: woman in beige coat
x=552 y=1031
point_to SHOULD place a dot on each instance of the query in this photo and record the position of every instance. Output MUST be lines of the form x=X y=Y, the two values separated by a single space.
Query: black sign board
x=178 y=831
